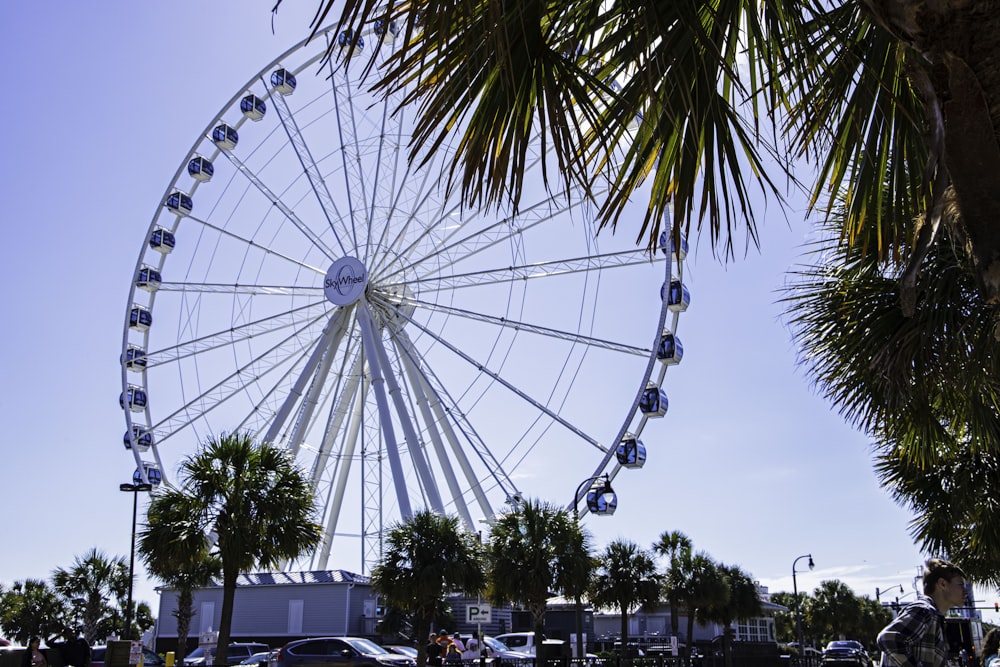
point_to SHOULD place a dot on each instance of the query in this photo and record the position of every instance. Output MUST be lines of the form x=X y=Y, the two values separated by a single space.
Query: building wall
x=277 y=612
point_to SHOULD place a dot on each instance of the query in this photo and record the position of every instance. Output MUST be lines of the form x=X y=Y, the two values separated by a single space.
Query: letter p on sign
x=478 y=613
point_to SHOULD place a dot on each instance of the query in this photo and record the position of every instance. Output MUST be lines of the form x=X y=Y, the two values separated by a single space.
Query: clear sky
x=105 y=100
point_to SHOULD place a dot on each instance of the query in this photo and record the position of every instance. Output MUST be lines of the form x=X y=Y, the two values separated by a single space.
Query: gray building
x=276 y=607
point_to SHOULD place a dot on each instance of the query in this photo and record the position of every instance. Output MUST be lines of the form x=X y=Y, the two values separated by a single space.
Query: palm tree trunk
x=690 y=632
x=184 y=613
x=229 y=576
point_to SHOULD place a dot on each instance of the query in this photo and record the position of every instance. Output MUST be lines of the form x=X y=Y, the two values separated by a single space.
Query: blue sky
x=106 y=100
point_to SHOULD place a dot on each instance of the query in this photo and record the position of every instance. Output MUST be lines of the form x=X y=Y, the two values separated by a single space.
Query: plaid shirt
x=916 y=637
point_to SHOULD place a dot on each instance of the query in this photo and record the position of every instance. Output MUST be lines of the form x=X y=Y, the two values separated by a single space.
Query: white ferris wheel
x=302 y=280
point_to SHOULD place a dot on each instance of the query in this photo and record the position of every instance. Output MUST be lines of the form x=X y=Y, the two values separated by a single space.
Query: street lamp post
x=798 y=605
x=606 y=491
x=134 y=489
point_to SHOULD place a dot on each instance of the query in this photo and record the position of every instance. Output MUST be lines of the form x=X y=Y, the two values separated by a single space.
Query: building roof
x=291 y=579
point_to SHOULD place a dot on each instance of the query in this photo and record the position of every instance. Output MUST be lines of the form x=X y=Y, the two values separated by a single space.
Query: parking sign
x=478 y=613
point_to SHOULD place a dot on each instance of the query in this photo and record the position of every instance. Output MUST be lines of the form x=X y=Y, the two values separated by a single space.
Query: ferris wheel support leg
x=296 y=392
x=426 y=477
x=417 y=385
x=344 y=472
x=304 y=420
x=388 y=431
x=338 y=414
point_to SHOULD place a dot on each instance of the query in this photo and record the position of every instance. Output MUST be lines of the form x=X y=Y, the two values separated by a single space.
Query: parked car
x=259 y=659
x=235 y=654
x=149 y=658
x=338 y=652
x=401 y=649
x=846 y=652
x=504 y=655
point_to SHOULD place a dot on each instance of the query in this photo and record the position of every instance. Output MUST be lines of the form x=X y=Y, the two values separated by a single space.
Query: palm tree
x=923 y=387
x=176 y=551
x=741 y=601
x=626 y=578
x=255 y=502
x=835 y=611
x=676 y=546
x=31 y=608
x=703 y=586
x=424 y=558
x=530 y=557
x=88 y=586
x=579 y=569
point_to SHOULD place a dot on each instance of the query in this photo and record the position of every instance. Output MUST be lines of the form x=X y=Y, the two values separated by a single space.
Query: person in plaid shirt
x=915 y=638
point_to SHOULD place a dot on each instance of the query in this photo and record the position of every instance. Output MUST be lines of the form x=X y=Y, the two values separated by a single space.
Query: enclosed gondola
x=631 y=453
x=135 y=358
x=200 y=169
x=225 y=137
x=653 y=402
x=139 y=318
x=179 y=202
x=669 y=351
x=283 y=81
x=253 y=107
x=134 y=398
x=140 y=438
x=162 y=240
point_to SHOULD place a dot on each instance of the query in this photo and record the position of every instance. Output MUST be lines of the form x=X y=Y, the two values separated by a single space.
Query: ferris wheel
x=303 y=280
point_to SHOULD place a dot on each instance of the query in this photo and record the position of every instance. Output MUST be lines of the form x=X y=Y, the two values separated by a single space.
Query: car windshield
x=365 y=646
x=844 y=644
x=496 y=644
x=197 y=653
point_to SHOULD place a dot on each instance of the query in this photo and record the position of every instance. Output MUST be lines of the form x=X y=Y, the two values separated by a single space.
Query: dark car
x=338 y=652
x=846 y=652
x=235 y=654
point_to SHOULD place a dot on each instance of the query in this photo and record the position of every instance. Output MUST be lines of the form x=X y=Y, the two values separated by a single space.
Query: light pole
x=134 y=489
x=798 y=605
x=878 y=592
x=611 y=501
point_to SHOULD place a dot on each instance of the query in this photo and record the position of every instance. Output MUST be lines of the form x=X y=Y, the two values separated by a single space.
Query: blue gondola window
x=162 y=240
x=200 y=169
x=347 y=38
x=653 y=402
x=283 y=81
x=140 y=318
x=253 y=107
x=135 y=358
x=141 y=438
x=134 y=397
x=669 y=351
x=599 y=502
x=180 y=202
x=381 y=31
x=667 y=245
x=631 y=453
x=148 y=279
x=225 y=137
x=152 y=474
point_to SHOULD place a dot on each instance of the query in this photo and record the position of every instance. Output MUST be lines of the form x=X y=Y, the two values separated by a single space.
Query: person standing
x=434 y=651
x=33 y=656
x=991 y=648
x=915 y=638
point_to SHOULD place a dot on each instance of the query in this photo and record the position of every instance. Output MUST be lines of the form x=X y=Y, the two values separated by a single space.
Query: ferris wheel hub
x=345 y=281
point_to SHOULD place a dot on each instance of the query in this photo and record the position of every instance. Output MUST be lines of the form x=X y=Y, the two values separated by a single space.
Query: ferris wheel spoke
x=439 y=429
x=322 y=355
x=252 y=372
x=516 y=325
x=309 y=166
x=502 y=381
x=257 y=246
x=481 y=240
x=235 y=288
x=417 y=458
x=533 y=271
x=251 y=176
x=348 y=449
x=388 y=431
x=235 y=334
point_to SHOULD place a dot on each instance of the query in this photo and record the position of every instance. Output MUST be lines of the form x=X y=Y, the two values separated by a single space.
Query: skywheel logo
x=345 y=281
